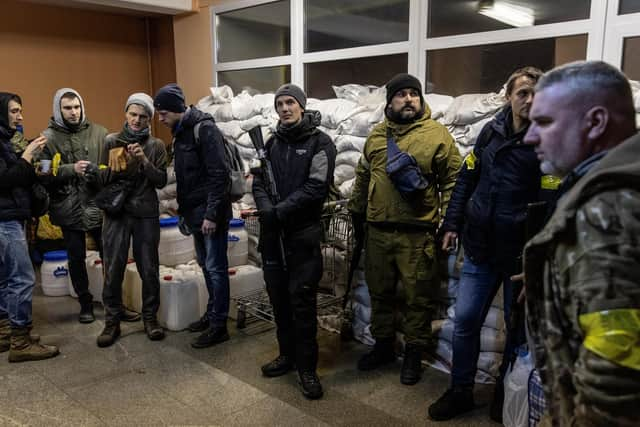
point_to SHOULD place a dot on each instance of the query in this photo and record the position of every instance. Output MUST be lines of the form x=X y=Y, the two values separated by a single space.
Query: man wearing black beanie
x=203 y=184
x=402 y=218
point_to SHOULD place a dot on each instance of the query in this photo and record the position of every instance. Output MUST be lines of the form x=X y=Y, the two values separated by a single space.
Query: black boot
x=130 y=316
x=411 y=365
x=495 y=411
x=453 y=402
x=381 y=354
x=199 y=325
x=278 y=366
x=109 y=334
x=212 y=336
x=86 y=313
x=310 y=385
x=153 y=329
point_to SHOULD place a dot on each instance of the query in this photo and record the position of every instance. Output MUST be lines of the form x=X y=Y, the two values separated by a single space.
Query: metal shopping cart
x=254 y=308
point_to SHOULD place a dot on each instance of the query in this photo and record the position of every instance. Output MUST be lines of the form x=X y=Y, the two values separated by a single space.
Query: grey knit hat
x=291 y=90
x=143 y=100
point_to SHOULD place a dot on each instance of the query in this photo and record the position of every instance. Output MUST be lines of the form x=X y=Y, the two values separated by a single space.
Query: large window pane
x=481 y=69
x=257 y=80
x=377 y=70
x=339 y=24
x=451 y=17
x=255 y=32
x=629 y=6
x=631 y=58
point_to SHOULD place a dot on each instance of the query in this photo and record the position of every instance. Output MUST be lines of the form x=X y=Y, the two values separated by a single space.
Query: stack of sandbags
x=635 y=89
x=167 y=195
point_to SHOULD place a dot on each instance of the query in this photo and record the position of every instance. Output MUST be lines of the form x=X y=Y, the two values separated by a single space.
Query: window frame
x=605 y=31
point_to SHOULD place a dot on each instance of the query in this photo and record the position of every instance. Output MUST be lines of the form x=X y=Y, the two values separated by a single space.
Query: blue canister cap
x=55 y=256
x=232 y=238
x=236 y=223
x=172 y=221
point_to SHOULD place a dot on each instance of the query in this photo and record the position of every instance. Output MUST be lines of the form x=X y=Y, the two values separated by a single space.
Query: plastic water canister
x=179 y=300
x=132 y=288
x=238 y=244
x=96 y=278
x=175 y=248
x=54 y=273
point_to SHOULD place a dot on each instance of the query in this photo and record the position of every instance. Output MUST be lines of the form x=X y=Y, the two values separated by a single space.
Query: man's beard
x=402 y=116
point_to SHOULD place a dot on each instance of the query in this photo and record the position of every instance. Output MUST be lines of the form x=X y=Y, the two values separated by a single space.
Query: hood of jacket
x=57 y=111
x=5 y=130
x=400 y=129
x=306 y=127
x=191 y=117
x=502 y=123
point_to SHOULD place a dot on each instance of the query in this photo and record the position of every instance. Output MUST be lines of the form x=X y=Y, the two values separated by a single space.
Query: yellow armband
x=470 y=161
x=55 y=164
x=613 y=335
x=550 y=182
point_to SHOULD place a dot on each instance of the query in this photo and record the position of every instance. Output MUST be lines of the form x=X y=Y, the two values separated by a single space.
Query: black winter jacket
x=202 y=172
x=496 y=183
x=303 y=159
x=16 y=177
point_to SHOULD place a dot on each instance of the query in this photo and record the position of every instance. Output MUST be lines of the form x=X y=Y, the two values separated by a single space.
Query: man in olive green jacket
x=76 y=148
x=581 y=271
x=401 y=233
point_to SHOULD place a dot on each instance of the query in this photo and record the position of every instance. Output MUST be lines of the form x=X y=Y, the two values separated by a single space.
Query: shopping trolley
x=254 y=307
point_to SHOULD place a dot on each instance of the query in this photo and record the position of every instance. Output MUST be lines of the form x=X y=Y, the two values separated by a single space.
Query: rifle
x=270 y=183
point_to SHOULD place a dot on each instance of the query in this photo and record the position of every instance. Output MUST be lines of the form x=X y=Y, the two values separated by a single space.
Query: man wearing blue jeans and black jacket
x=203 y=184
x=498 y=180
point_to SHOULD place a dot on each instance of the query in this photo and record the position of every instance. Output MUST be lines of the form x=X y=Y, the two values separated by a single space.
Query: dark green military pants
x=409 y=256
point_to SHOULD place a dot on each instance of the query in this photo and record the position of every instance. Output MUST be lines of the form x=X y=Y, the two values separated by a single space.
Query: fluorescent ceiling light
x=517 y=16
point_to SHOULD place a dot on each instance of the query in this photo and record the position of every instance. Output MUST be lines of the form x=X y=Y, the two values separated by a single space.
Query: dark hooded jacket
x=16 y=174
x=496 y=183
x=303 y=159
x=202 y=172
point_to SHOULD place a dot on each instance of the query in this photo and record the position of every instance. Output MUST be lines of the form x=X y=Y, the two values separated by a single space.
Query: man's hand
x=208 y=227
x=523 y=293
x=450 y=241
x=136 y=151
x=357 y=221
x=269 y=217
x=80 y=166
x=34 y=148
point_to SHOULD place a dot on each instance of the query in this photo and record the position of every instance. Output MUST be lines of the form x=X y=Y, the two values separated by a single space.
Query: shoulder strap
x=392 y=147
x=196 y=133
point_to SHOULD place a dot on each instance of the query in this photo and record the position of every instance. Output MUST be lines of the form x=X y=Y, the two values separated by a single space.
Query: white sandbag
x=333 y=111
x=346 y=188
x=332 y=133
x=231 y=130
x=168 y=192
x=221 y=113
x=441 y=360
x=171 y=175
x=438 y=104
x=349 y=143
x=350 y=158
x=343 y=173
x=265 y=103
x=243 y=107
x=245 y=141
x=221 y=94
x=254 y=121
x=469 y=108
x=475 y=128
x=491 y=340
x=635 y=90
x=247 y=153
x=169 y=207
x=360 y=124
x=353 y=92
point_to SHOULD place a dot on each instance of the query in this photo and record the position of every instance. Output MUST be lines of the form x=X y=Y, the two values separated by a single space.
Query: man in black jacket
x=17 y=277
x=303 y=159
x=499 y=178
x=146 y=170
x=203 y=184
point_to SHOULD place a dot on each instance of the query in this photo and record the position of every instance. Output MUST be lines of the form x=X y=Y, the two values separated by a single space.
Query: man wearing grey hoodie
x=76 y=148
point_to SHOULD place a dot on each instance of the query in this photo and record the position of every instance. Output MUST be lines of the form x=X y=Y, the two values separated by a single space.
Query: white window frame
x=605 y=31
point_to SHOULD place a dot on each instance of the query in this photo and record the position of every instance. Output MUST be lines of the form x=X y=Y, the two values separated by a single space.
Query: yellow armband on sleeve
x=55 y=164
x=613 y=335
x=550 y=182
x=470 y=161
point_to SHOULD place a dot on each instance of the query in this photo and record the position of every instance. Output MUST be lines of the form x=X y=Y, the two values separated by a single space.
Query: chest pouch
x=403 y=170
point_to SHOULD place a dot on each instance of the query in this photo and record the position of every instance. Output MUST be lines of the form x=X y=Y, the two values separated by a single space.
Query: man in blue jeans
x=498 y=180
x=203 y=184
x=17 y=277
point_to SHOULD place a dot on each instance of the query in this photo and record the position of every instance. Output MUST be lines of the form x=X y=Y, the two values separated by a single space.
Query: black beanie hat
x=402 y=81
x=170 y=98
x=291 y=90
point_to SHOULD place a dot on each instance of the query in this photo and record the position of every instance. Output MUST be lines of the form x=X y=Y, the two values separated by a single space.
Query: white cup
x=45 y=165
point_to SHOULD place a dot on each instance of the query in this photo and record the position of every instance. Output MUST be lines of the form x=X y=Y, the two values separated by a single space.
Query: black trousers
x=292 y=292
x=145 y=234
x=75 y=243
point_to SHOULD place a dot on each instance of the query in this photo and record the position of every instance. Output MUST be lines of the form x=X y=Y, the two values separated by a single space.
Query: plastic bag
x=515 y=411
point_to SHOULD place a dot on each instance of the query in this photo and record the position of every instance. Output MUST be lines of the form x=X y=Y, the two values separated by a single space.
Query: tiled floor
x=140 y=382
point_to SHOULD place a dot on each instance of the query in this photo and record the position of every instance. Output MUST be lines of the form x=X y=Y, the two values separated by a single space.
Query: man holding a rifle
x=297 y=170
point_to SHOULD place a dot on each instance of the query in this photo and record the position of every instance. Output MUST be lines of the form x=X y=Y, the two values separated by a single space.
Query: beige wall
x=104 y=56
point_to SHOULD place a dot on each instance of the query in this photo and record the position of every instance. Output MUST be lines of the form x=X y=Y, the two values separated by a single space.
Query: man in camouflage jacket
x=582 y=270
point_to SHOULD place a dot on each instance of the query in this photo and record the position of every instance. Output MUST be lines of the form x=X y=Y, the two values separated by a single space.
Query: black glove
x=269 y=217
x=357 y=221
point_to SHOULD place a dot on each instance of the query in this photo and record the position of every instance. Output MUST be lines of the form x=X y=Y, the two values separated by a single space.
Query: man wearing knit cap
x=76 y=147
x=138 y=223
x=402 y=217
x=203 y=184
x=303 y=160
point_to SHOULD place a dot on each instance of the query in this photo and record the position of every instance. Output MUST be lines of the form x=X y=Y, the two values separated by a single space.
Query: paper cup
x=45 y=166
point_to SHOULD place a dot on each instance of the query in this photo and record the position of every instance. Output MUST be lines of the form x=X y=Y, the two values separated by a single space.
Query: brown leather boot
x=5 y=335
x=24 y=348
